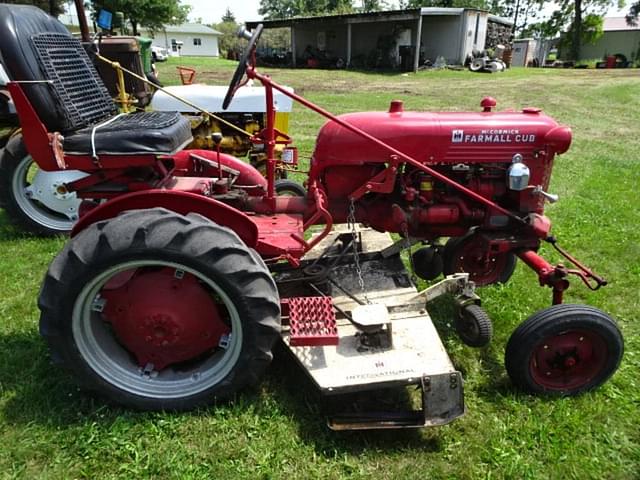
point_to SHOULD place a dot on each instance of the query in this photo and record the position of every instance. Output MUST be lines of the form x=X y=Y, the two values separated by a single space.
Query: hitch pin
x=550 y=197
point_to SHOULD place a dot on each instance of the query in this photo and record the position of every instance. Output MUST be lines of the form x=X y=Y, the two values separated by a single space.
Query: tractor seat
x=69 y=96
x=136 y=133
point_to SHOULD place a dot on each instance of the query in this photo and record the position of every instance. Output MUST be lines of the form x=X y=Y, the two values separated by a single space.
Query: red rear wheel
x=469 y=254
x=160 y=311
x=564 y=350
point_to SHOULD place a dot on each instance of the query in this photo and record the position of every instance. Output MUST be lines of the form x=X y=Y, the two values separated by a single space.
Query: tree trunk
x=577 y=31
x=134 y=26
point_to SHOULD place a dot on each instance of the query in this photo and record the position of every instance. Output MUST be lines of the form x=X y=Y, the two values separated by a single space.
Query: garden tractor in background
x=172 y=293
x=30 y=196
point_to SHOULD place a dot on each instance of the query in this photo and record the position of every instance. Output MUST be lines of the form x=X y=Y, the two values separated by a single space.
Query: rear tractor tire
x=467 y=254
x=564 y=350
x=159 y=311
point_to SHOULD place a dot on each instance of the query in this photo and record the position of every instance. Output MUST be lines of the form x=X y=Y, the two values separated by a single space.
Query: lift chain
x=407 y=246
x=351 y=222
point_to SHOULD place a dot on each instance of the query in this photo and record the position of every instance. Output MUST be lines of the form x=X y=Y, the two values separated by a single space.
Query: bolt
x=581 y=339
x=548 y=374
x=546 y=347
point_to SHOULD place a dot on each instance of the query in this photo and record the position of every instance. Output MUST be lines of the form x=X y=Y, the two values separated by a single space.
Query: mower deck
x=395 y=343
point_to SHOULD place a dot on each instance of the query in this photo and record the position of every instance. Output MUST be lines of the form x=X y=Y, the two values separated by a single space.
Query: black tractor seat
x=135 y=133
x=68 y=95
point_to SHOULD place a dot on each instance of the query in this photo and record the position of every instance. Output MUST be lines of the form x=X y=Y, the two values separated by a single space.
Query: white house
x=191 y=39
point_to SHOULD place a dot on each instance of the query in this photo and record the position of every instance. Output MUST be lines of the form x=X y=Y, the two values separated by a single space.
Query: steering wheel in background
x=242 y=66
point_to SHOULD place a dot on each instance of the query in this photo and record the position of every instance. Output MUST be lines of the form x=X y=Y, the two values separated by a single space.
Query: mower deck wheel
x=564 y=350
x=474 y=326
x=160 y=311
x=467 y=254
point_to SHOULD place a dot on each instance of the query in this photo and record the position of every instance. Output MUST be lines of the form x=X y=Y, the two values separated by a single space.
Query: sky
x=211 y=11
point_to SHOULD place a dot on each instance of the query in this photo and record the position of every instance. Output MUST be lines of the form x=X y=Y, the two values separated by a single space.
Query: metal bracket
x=442 y=402
x=457 y=284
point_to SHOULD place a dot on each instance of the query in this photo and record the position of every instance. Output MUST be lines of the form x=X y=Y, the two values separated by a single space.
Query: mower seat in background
x=69 y=96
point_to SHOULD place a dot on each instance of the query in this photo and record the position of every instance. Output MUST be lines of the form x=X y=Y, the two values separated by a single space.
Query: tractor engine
x=506 y=157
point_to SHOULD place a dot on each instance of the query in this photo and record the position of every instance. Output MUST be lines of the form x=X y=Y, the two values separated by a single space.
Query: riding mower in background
x=171 y=294
x=36 y=201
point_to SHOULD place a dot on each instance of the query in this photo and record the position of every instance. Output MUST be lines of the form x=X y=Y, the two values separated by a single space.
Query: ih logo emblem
x=457 y=136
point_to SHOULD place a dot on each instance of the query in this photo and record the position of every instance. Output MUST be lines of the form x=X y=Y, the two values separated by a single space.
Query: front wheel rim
x=568 y=360
x=102 y=352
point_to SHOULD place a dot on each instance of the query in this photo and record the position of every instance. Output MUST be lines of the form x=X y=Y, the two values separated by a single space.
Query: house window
x=174 y=45
x=197 y=42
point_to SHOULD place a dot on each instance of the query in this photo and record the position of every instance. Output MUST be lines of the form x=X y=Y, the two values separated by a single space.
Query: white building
x=191 y=39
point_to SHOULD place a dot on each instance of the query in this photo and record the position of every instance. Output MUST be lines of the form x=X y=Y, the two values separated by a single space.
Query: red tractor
x=172 y=293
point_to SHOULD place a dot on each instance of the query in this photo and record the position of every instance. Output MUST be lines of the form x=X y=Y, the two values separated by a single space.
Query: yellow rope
x=117 y=66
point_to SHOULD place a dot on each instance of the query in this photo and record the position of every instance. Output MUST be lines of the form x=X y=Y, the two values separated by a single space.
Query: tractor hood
x=475 y=137
x=208 y=97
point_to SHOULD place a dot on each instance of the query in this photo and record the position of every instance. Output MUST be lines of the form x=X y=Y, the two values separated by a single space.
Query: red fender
x=179 y=202
x=248 y=174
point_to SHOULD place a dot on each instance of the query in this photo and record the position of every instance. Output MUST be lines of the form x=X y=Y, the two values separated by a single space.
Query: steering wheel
x=242 y=67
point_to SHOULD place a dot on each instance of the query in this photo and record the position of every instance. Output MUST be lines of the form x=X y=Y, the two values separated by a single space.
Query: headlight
x=518 y=174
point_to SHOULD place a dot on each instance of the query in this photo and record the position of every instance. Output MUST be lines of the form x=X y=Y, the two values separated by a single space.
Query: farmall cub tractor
x=172 y=296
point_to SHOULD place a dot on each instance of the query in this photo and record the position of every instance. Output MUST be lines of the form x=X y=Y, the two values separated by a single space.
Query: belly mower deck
x=379 y=338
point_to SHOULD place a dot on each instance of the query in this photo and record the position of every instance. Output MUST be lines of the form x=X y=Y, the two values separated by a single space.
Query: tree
x=228 y=41
x=634 y=13
x=228 y=16
x=374 y=5
x=277 y=9
x=52 y=7
x=152 y=14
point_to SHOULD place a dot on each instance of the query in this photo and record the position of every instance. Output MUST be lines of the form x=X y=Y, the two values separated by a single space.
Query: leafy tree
x=52 y=7
x=634 y=13
x=276 y=9
x=228 y=41
x=229 y=16
x=374 y=5
x=152 y=14
x=480 y=4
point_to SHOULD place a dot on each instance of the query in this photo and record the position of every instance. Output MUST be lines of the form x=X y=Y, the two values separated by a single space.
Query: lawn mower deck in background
x=173 y=296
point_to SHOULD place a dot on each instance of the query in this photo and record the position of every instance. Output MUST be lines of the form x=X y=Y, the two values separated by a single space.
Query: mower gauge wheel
x=564 y=350
x=159 y=311
x=467 y=254
x=242 y=67
x=474 y=326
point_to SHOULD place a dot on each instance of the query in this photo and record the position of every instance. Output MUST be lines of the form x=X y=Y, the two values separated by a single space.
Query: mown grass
x=50 y=429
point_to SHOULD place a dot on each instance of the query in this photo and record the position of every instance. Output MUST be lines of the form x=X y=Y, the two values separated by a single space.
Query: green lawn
x=50 y=429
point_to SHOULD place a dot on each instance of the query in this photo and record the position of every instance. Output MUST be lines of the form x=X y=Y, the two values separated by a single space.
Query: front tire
x=564 y=350
x=159 y=311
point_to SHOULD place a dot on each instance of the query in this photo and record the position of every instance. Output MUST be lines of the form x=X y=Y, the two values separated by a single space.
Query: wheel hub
x=568 y=360
x=49 y=188
x=163 y=316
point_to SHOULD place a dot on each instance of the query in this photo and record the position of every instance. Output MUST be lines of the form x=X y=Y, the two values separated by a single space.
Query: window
x=174 y=45
x=197 y=42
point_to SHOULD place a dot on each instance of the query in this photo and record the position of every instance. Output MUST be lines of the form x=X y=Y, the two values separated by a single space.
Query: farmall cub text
x=172 y=295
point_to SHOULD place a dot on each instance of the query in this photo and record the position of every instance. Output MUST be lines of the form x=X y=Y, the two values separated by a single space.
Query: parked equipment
x=29 y=194
x=172 y=295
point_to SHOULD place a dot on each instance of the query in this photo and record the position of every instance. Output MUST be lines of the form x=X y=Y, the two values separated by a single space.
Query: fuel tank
x=442 y=138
